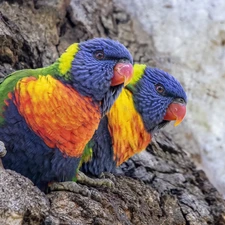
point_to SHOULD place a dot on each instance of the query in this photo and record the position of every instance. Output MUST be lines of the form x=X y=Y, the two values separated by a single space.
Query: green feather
x=87 y=154
x=61 y=68
x=8 y=84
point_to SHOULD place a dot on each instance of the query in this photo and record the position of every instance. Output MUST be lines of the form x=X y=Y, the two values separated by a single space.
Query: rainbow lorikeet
x=146 y=104
x=48 y=115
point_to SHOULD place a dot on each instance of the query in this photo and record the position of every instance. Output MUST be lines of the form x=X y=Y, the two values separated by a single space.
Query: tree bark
x=159 y=186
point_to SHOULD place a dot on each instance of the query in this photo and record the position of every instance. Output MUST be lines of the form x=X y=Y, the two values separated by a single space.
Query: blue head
x=159 y=98
x=100 y=69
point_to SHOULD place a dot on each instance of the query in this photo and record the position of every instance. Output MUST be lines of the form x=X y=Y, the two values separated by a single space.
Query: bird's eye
x=99 y=55
x=159 y=88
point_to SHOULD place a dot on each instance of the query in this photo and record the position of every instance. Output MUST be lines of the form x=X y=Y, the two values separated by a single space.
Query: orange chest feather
x=127 y=129
x=57 y=113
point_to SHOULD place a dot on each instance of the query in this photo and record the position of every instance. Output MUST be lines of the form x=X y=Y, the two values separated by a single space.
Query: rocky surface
x=20 y=201
x=167 y=189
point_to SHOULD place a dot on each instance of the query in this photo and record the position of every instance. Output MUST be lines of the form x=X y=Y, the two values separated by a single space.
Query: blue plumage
x=152 y=105
x=87 y=73
x=149 y=103
x=102 y=151
x=29 y=155
x=90 y=76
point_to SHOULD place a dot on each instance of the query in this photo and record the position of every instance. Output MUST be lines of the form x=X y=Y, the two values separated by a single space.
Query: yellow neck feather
x=65 y=61
x=126 y=128
x=139 y=70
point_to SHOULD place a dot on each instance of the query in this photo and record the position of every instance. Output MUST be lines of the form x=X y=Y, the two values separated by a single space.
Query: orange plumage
x=57 y=113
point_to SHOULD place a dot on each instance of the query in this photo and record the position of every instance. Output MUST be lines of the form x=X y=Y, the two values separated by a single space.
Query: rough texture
x=188 y=38
x=171 y=192
x=167 y=169
x=33 y=34
x=21 y=202
x=175 y=194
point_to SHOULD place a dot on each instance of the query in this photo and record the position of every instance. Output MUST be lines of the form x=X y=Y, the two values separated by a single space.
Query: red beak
x=175 y=111
x=123 y=72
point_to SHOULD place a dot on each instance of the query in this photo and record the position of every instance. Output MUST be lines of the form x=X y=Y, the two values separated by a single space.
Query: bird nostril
x=180 y=100
x=124 y=60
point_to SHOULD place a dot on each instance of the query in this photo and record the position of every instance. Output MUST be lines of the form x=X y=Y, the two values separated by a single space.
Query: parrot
x=48 y=115
x=150 y=101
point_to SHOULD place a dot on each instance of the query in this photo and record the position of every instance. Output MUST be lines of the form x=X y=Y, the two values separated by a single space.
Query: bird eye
x=159 y=88
x=99 y=55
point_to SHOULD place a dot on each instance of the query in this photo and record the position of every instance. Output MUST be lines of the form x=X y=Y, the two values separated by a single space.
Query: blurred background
x=188 y=38
x=185 y=38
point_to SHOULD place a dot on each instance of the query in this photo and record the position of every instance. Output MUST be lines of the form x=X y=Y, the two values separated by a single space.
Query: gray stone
x=20 y=201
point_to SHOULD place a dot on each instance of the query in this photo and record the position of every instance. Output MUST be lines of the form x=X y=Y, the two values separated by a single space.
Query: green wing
x=8 y=84
x=61 y=68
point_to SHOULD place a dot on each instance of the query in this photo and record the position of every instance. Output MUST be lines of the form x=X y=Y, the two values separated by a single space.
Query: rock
x=29 y=42
x=169 y=191
x=21 y=202
x=2 y=149
x=59 y=7
x=166 y=168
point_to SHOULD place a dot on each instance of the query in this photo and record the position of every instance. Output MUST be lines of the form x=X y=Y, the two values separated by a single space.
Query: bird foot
x=105 y=175
x=2 y=149
x=95 y=182
x=69 y=186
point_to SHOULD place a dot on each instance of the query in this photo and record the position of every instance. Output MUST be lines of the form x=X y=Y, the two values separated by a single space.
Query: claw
x=105 y=175
x=69 y=186
x=95 y=182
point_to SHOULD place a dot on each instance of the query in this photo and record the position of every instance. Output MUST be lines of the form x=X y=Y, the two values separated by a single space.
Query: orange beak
x=123 y=72
x=175 y=111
